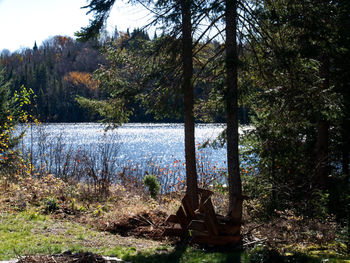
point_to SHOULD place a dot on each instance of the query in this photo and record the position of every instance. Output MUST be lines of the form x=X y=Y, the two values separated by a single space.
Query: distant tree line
x=48 y=71
x=60 y=70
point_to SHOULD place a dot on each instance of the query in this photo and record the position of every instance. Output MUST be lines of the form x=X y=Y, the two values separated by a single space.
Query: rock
x=113 y=260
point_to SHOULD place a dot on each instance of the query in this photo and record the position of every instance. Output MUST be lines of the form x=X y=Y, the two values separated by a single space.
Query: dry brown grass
x=131 y=212
x=126 y=211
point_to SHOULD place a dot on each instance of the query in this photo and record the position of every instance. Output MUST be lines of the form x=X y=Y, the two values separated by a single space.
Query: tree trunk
x=234 y=179
x=322 y=153
x=322 y=167
x=346 y=143
x=190 y=151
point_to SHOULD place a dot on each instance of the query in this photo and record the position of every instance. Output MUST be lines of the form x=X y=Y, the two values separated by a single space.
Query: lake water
x=137 y=141
x=140 y=148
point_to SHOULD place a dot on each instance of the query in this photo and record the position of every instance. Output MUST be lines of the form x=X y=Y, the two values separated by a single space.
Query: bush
x=51 y=205
x=152 y=184
x=12 y=111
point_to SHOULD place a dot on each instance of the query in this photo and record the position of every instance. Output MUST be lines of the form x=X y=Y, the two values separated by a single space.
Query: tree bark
x=187 y=86
x=234 y=179
x=346 y=143
x=322 y=167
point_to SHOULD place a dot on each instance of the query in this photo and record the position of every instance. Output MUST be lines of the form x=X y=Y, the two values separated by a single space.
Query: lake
x=136 y=141
x=138 y=145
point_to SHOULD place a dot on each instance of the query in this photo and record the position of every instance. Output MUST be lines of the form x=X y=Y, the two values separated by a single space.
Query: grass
x=189 y=255
x=25 y=230
x=31 y=233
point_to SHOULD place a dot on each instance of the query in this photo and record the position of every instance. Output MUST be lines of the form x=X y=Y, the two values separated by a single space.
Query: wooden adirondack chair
x=203 y=225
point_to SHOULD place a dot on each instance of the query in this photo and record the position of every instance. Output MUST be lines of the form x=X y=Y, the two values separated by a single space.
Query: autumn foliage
x=81 y=79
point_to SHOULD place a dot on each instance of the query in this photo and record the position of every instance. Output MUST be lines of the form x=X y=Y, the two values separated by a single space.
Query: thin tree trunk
x=234 y=179
x=345 y=147
x=322 y=167
x=190 y=151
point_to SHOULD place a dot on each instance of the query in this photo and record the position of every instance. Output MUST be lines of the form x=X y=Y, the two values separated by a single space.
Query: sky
x=22 y=22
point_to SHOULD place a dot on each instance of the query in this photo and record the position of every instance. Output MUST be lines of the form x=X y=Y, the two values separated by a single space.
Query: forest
x=281 y=67
x=61 y=69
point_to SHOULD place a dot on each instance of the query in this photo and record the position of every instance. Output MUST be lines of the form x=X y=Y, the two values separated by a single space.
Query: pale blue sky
x=24 y=21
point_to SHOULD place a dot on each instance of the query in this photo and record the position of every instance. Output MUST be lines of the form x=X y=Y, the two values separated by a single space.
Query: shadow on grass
x=185 y=254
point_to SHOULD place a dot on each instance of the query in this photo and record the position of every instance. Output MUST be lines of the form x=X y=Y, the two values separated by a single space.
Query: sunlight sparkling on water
x=137 y=141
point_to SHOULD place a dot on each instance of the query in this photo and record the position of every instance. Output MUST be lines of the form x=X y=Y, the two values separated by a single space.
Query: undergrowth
x=48 y=216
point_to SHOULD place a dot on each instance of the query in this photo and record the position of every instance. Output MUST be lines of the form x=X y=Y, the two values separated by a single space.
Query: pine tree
x=234 y=179
x=100 y=8
x=35 y=47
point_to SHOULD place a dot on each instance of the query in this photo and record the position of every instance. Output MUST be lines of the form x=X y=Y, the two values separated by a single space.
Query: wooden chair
x=203 y=225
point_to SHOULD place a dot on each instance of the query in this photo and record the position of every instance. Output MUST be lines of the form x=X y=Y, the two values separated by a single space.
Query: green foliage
x=152 y=184
x=141 y=74
x=139 y=79
x=98 y=211
x=82 y=208
x=288 y=95
x=12 y=111
x=100 y=10
x=112 y=110
x=7 y=118
x=73 y=205
x=51 y=205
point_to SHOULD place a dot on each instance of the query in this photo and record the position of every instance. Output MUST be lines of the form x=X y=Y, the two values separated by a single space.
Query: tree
x=44 y=70
x=6 y=115
x=11 y=113
x=296 y=103
x=35 y=47
x=231 y=99
x=187 y=86
x=101 y=8
x=342 y=79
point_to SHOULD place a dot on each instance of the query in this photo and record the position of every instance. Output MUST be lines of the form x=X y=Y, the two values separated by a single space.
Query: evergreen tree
x=35 y=47
x=296 y=101
x=231 y=100
x=179 y=12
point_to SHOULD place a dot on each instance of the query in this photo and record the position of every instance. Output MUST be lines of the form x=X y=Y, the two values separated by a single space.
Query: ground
x=49 y=217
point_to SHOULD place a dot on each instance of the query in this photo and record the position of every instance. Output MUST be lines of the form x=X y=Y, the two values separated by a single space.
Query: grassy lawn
x=77 y=226
x=30 y=233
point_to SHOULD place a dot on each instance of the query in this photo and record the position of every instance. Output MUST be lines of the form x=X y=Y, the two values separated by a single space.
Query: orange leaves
x=81 y=79
x=61 y=41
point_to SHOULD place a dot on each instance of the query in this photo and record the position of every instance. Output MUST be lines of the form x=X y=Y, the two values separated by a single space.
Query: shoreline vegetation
x=48 y=216
x=86 y=207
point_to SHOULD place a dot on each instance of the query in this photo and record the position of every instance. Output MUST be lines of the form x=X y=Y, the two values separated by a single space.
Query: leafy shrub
x=51 y=205
x=152 y=184
x=82 y=208
x=98 y=211
x=11 y=113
